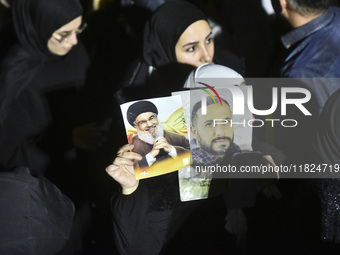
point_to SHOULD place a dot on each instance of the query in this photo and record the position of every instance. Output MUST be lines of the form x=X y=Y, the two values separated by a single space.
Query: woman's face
x=195 y=46
x=63 y=39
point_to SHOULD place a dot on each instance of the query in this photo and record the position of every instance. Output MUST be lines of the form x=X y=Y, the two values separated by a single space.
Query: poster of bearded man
x=157 y=129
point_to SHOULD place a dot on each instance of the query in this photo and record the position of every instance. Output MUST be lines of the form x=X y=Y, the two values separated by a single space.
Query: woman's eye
x=191 y=49
x=209 y=124
x=65 y=34
x=209 y=40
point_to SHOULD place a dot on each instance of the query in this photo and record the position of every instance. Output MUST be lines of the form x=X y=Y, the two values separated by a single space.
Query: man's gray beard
x=146 y=137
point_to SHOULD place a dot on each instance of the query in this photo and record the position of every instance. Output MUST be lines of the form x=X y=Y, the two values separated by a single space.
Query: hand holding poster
x=157 y=129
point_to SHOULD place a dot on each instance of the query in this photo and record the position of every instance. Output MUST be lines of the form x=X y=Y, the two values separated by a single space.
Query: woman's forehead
x=71 y=25
x=197 y=31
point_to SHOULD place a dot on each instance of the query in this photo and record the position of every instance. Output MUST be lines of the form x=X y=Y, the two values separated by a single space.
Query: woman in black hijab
x=164 y=29
x=326 y=151
x=176 y=33
x=38 y=81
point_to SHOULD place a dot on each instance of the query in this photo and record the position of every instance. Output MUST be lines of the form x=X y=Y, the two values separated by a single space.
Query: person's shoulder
x=15 y=55
x=173 y=135
x=315 y=60
x=335 y=10
x=332 y=28
x=18 y=69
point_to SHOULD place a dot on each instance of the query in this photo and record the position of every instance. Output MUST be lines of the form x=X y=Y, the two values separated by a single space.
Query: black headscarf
x=36 y=20
x=326 y=145
x=164 y=28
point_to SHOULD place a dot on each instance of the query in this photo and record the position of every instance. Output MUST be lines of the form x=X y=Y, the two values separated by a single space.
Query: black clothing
x=7 y=33
x=37 y=87
x=153 y=220
x=138 y=83
x=326 y=151
x=326 y=144
x=35 y=218
x=27 y=110
x=132 y=215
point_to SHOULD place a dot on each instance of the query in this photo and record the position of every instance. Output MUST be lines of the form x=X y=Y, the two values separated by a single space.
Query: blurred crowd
x=67 y=65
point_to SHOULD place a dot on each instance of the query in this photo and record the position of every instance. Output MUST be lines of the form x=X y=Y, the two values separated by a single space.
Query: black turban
x=164 y=28
x=139 y=108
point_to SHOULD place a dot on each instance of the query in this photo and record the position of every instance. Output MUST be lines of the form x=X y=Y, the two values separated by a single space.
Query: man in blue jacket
x=313 y=45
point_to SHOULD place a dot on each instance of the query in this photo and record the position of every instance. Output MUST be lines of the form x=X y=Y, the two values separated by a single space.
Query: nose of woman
x=205 y=55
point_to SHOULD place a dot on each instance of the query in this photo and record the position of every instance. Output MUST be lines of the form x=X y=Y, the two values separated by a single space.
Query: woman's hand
x=122 y=169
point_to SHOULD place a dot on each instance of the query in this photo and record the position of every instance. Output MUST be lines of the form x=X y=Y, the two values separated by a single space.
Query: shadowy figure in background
x=36 y=217
x=36 y=71
x=244 y=28
x=315 y=24
x=39 y=80
x=312 y=25
x=326 y=150
x=114 y=38
x=7 y=33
